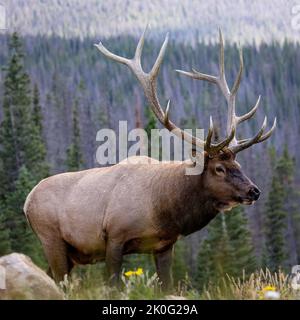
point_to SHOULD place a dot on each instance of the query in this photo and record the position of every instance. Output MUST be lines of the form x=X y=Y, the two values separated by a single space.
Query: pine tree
x=74 y=155
x=276 y=214
x=179 y=266
x=19 y=136
x=226 y=250
x=151 y=123
x=215 y=255
x=21 y=236
x=22 y=152
x=37 y=112
x=16 y=103
x=241 y=242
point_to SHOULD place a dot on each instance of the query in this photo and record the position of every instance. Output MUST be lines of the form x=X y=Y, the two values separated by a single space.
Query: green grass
x=89 y=284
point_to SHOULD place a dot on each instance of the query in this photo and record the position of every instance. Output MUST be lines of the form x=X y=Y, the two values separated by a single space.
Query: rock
x=20 y=278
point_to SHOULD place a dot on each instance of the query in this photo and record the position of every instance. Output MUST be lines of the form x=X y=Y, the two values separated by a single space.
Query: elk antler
x=149 y=84
x=232 y=119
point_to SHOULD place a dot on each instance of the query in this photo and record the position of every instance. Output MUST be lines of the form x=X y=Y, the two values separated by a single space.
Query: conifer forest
x=57 y=91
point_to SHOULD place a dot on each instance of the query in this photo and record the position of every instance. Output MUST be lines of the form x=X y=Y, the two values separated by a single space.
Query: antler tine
x=111 y=55
x=269 y=133
x=210 y=133
x=166 y=117
x=249 y=114
x=198 y=75
x=239 y=75
x=263 y=137
x=140 y=46
x=221 y=55
x=249 y=142
x=155 y=69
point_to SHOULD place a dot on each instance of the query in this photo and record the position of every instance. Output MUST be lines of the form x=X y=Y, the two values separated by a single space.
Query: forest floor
x=140 y=285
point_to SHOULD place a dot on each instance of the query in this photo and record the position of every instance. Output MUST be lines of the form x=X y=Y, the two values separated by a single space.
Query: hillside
x=188 y=20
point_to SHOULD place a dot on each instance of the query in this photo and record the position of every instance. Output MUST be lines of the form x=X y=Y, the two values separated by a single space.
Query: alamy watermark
x=163 y=145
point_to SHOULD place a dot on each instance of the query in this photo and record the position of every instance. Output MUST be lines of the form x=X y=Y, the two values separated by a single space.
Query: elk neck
x=183 y=205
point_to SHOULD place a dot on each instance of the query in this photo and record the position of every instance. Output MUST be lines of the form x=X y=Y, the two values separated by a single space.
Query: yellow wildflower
x=130 y=273
x=268 y=288
x=139 y=271
x=268 y=292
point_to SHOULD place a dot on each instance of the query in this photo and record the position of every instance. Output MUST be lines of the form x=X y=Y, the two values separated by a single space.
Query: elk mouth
x=244 y=200
x=248 y=202
x=226 y=206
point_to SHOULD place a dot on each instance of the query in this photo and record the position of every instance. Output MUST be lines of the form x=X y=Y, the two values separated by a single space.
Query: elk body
x=143 y=207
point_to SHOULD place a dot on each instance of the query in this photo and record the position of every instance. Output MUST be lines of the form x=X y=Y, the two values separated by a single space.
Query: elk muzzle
x=253 y=193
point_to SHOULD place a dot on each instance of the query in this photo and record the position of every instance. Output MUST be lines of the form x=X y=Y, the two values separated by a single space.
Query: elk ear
x=220 y=169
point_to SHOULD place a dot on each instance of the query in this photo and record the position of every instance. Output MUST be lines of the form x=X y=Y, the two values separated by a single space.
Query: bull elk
x=105 y=213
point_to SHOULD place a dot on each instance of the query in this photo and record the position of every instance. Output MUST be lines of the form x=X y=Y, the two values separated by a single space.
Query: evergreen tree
x=180 y=267
x=151 y=123
x=74 y=155
x=21 y=236
x=37 y=112
x=241 y=242
x=22 y=153
x=226 y=250
x=19 y=136
x=276 y=214
x=16 y=104
x=14 y=207
x=215 y=255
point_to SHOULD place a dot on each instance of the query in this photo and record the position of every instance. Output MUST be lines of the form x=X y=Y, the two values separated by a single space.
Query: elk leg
x=114 y=259
x=56 y=255
x=163 y=262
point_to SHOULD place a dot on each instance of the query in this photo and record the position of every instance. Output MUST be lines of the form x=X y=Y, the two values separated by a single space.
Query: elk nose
x=254 y=193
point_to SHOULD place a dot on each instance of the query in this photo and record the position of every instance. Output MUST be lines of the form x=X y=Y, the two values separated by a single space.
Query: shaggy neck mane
x=182 y=204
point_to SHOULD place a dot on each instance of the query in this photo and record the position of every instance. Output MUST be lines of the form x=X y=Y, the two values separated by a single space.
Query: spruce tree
x=74 y=155
x=22 y=151
x=22 y=238
x=37 y=112
x=215 y=255
x=16 y=104
x=20 y=139
x=180 y=267
x=151 y=123
x=276 y=213
x=227 y=249
x=241 y=242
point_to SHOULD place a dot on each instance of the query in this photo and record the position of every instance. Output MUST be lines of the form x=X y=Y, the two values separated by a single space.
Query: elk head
x=222 y=176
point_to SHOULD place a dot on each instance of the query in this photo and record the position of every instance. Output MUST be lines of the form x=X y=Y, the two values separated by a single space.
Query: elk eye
x=220 y=170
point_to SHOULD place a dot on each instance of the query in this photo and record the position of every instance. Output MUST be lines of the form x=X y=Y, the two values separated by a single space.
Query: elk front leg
x=163 y=262
x=113 y=259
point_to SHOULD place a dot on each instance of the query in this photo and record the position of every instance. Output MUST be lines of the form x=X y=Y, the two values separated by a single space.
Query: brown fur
x=104 y=213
